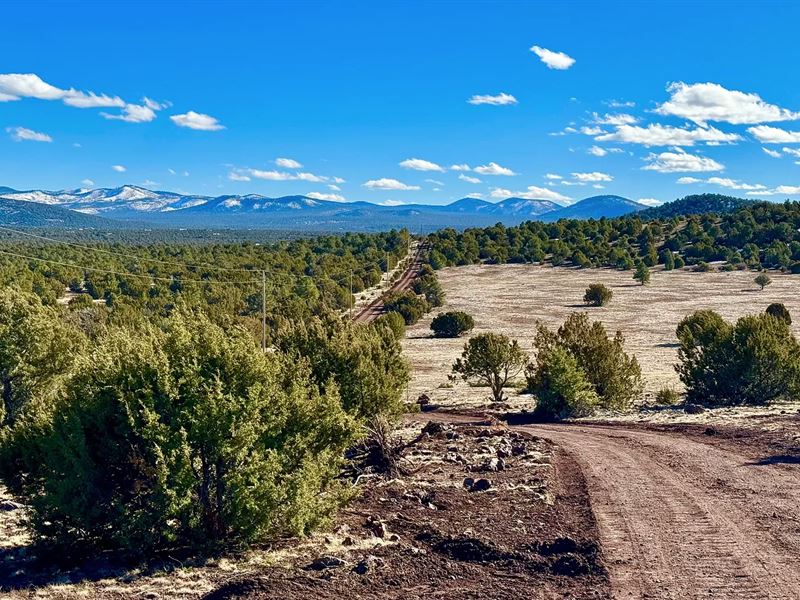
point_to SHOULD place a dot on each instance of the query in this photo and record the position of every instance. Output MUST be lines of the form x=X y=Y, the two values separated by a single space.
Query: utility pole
x=352 y=299
x=263 y=311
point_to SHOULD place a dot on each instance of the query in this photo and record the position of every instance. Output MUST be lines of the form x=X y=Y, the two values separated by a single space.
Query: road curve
x=679 y=518
x=374 y=309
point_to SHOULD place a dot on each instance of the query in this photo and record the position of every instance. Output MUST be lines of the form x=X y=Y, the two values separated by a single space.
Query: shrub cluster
x=597 y=295
x=754 y=361
x=613 y=376
x=452 y=324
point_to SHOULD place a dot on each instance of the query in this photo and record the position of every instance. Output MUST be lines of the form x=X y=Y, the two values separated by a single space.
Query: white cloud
x=680 y=161
x=133 y=113
x=656 y=134
x=338 y=180
x=618 y=119
x=792 y=151
x=14 y=86
x=726 y=182
x=310 y=177
x=288 y=163
x=597 y=151
x=329 y=197
x=553 y=60
x=235 y=176
x=772 y=153
x=462 y=167
x=734 y=184
x=774 y=135
x=781 y=190
x=469 y=179
x=501 y=99
x=92 y=100
x=152 y=104
x=597 y=186
x=590 y=130
x=119 y=168
x=386 y=183
x=419 y=164
x=531 y=193
x=194 y=120
x=593 y=176
x=334 y=188
x=87 y=182
x=434 y=181
x=21 y=134
x=494 y=169
x=273 y=175
x=553 y=176
x=650 y=201
x=620 y=104
x=703 y=102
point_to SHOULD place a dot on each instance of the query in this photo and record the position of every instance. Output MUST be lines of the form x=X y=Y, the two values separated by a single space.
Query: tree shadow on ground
x=777 y=459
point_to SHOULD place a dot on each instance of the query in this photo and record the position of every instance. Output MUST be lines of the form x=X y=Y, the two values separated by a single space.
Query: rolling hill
x=696 y=204
x=595 y=207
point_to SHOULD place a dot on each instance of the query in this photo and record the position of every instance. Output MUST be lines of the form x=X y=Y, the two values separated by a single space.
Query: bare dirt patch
x=481 y=511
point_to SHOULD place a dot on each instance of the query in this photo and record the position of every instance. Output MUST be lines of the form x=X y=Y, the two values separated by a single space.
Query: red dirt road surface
x=681 y=517
x=375 y=308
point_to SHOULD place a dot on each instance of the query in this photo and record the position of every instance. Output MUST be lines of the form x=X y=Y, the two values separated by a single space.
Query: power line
x=126 y=255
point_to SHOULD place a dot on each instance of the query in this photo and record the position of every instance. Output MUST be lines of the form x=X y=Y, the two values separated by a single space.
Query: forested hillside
x=753 y=236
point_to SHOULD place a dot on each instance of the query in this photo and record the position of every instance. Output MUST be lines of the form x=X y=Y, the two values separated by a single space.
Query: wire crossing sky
x=403 y=102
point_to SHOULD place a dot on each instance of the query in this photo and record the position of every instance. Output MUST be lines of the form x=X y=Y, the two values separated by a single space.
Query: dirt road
x=680 y=518
x=375 y=308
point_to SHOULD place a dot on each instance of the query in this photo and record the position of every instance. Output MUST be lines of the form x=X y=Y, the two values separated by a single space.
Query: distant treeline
x=758 y=235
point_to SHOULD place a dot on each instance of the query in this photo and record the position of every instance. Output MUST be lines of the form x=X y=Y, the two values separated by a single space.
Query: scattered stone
x=570 y=565
x=710 y=431
x=377 y=527
x=367 y=564
x=423 y=399
x=494 y=465
x=393 y=537
x=9 y=505
x=433 y=428
x=477 y=485
x=326 y=562
x=693 y=409
x=348 y=541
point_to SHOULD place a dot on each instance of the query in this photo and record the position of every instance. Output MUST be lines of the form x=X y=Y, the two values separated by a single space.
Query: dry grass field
x=511 y=299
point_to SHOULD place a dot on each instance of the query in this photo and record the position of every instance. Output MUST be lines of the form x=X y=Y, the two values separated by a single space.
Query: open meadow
x=512 y=298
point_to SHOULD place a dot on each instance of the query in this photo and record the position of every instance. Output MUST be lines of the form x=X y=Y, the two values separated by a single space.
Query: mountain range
x=135 y=206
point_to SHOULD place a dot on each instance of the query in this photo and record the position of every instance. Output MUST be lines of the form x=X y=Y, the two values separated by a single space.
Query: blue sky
x=646 y=100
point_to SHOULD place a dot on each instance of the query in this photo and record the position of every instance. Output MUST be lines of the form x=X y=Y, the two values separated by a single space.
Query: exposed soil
x=450 y=527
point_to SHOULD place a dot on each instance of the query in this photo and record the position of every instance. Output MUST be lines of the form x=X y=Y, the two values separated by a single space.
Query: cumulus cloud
x=774 y=135
x=703 y=102
x=656 y=134
x=792 y=151
x=235 y=176
x=462 y=167
x=597 y=151
x=119 y=168
x=726 y=182
x=133 y=113
x=680 y=161
x=689 y=180
x=591 y=177
x=273 y=175
x=553 y=60
x=493 y=169
x=418 y=164
x=501 y=99
x=469 y=179
x=15 y=86
x=288 y=163
x=386 y=183
x=772 y=153
x=781 y=190
x=617 y=119
x=553 y=176
x=329 y=197
x=531 y=193
x=23 y=134
x=199 y=121
x=650 y=201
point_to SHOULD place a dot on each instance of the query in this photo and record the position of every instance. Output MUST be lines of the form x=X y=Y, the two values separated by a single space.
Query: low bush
x=452 y=324
x=410 y=306
x=561 y=388
x=755 y=361
x=779 y=311
x=597 y=295
x=667 y=396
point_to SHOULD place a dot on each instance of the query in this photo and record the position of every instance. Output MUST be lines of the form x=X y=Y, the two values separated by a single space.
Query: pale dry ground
x=510 y=299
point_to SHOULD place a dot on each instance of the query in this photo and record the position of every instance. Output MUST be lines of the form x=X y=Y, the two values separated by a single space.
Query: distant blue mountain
x=136 y=205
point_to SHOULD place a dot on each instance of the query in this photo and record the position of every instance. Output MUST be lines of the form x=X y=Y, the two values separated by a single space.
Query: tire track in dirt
x=682 y=519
